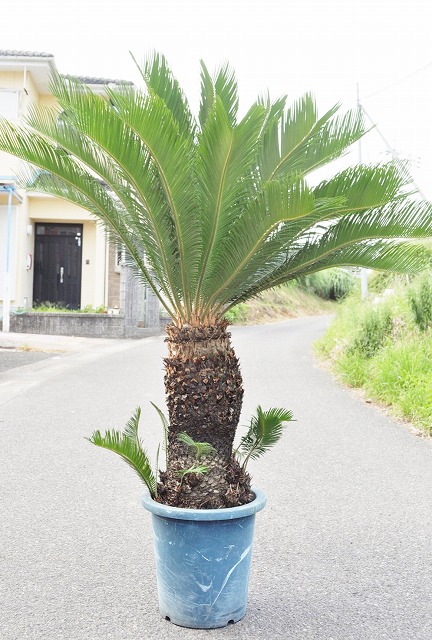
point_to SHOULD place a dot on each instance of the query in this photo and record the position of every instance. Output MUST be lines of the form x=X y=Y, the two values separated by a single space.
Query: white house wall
x=22 y=88
x=11 y=243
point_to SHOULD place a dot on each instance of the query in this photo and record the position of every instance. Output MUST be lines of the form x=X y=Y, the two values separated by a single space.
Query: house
x=52 y=251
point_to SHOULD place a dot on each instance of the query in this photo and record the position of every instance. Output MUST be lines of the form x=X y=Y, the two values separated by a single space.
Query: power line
x=394 y=153
x=397 y=81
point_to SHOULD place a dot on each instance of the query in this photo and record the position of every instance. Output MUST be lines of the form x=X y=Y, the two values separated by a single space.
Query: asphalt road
x=11 y=358
x=342 y=550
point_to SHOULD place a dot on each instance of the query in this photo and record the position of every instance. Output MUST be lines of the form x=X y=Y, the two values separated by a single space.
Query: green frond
x=199 y=469
x=266 y=428
x=131 y=428
x=167 y=165
x=253 y=241
x=224 y=171
x=306 y=141
x=208 y=95
x=165 y=427
x=269 y=152
x=143 y=210
x=388 y=224
x=365 y=186
x=384 y=254
x=226 y=89
x=200 y=448
x=160 y=81
x=127 y=445
x=212 y=213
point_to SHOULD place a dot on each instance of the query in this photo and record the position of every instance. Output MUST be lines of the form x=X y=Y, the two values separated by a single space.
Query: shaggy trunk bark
x=204 y=395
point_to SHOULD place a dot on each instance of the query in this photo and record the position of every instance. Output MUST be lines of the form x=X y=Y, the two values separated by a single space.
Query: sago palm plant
x=212 y=210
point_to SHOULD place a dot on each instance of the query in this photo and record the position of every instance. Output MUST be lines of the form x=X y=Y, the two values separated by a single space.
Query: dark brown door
x=57 y=264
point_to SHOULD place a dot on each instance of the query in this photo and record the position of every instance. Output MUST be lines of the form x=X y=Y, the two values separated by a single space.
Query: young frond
x=131 y=428
x=200 y=448
x=127 y=445
x=265 y=430
x=195 y=468
x=165 y=427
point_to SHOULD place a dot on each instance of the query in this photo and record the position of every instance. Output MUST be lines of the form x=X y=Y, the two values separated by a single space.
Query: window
x=9 y=102
x=119 y=257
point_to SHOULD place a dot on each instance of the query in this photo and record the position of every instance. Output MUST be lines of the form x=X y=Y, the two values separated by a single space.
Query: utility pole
x=363 y=272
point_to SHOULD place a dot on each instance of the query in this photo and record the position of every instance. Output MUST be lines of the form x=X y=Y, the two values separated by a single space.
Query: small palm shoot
x=201 y=449
x=129 y=447
x=165 y=427
x=265 y=430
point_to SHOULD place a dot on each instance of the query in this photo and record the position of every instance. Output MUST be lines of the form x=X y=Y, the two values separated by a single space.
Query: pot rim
x=228 y=513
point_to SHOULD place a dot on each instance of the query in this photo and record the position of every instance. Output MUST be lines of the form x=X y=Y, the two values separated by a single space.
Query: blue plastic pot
x=203 y=561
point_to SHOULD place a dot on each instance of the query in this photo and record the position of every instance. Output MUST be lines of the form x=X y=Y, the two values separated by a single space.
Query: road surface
x=342 y=550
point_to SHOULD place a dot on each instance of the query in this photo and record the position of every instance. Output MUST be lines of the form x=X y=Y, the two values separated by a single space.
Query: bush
x=379 y=281
x=400 y=376
x=420 y=300
x=376 y=326
x=238 y=314
x=380 y=349
x=331 y=284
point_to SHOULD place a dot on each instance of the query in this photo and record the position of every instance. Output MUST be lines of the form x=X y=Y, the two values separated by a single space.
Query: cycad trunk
x=204 y=395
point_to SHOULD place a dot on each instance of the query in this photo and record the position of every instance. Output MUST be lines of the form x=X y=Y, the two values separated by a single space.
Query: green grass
x=287 y=301
x=401 y=376
x=382 y=349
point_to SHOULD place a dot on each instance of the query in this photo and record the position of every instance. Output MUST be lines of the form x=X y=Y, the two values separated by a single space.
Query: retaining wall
x=87 y=325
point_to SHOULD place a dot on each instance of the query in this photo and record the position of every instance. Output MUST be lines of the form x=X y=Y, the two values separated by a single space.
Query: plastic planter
x=203 y=561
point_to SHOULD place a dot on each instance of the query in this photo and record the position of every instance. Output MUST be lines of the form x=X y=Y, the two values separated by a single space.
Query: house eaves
x=39 y=64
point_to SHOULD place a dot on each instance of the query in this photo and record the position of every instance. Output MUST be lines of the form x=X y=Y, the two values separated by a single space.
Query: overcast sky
x=327 y=47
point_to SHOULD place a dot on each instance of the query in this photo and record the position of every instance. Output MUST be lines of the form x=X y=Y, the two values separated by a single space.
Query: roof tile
x=24 y=54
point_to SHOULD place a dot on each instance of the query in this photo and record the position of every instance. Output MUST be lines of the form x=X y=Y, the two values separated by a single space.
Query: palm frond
x=265 y=430
x=127 y=176
x=160 y=81
x=200 y=448
x=384 y=254
x=221 y=209
x=307 y=142
x=132 y=115
x=249 y=245
x=226 y=89
x=165 y=427
x=226 y=180
x=131 y=428
x=208 y=95
x=365 y=187
x=127 y=445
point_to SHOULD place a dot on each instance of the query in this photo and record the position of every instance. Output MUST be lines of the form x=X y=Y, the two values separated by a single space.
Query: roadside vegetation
x=312 y=295
x=50 y=307
x=384 y=345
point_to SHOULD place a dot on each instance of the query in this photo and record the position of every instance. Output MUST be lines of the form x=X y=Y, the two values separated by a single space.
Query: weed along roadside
x=182 y=191
x=384 y=346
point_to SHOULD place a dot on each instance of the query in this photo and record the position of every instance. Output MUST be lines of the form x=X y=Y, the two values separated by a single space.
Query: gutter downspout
x=106 y=270
x=6 y=299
